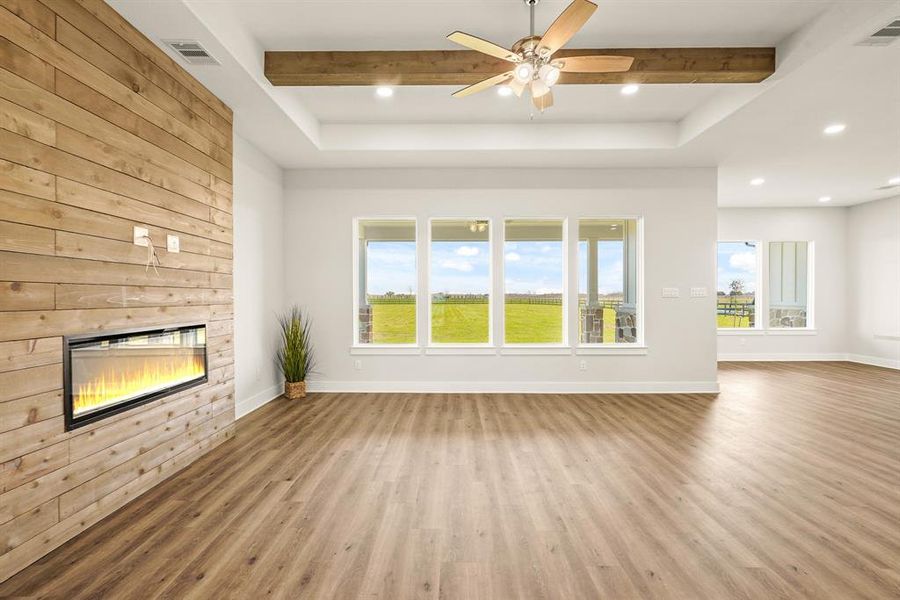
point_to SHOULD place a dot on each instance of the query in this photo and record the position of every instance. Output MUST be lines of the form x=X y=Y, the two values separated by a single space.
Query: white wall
x=874 y=259
x=259 y=258
x=827 y=228
x=679 y=208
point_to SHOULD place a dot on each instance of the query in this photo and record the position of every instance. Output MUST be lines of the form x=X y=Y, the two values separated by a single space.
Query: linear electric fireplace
x=107 y=374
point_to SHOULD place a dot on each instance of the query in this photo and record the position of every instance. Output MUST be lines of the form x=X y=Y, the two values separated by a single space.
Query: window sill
x=386 y=350
x=612 y=350
x=526 y=349
x=797 y=331
x=747 y=331
x=461 y=350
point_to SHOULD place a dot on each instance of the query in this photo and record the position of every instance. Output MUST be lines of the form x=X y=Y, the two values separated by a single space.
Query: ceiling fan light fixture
x=539 y=88
x=524 y=72
x=549 y=74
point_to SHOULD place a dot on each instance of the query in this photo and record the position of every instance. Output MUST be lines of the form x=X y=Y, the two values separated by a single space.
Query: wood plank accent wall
x=101 y=131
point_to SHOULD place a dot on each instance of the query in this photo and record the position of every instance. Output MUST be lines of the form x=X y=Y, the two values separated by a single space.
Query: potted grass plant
x=295 y=357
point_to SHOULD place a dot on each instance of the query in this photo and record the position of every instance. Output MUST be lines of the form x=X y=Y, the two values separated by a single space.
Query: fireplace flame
x=112 y=387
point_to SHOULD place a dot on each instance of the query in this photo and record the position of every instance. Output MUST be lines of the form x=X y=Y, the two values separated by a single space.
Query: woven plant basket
x=295 y=389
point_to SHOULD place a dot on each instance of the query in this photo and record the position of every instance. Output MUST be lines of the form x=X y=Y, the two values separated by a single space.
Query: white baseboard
x=245 y=406
x=875 y=361
x=780 y=357
x=518 y=387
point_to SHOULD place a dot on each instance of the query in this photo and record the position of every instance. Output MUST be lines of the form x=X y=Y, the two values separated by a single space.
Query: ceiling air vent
x=192 y=52
x=889 y=33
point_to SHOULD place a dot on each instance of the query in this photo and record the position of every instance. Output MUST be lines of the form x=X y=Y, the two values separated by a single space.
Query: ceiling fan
x=534 y=67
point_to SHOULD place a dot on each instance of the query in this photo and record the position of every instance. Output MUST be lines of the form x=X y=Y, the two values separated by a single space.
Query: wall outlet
x=140 y=236
x=357 y=364
x=670 y=292
x=698 y=292
x=582 y=365
x=173 y=244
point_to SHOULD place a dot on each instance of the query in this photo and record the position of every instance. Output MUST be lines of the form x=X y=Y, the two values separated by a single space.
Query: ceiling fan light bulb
x=549 y=74
x=524 y=72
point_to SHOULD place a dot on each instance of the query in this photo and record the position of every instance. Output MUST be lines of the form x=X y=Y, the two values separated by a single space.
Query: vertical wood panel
x=101 y=131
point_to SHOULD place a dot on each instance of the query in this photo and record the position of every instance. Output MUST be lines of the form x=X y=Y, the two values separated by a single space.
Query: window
x=789 y=273
x=738 y=267
x=386 y=282
x=534 y=267
x=607 y=281
x=460 y=281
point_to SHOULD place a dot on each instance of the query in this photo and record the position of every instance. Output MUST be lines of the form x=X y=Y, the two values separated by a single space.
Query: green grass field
x=725 y=321
x=468 y=324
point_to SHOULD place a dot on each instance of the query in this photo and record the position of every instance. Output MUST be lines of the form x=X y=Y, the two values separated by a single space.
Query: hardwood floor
x=784 y=486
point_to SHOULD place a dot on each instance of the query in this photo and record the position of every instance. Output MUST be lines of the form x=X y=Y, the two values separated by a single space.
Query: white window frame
x=810 y=291
x=759 y=290
x=638 y=346
x=536 y=348
x=462 y=348
x=355 y=346
x=762 y=292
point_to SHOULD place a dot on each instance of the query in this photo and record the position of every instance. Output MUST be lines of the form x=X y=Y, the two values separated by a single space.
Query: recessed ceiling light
x=757 y=181
x=504 y=90
x=824 y=199
x=894 y=181
x=384 y=91
x=630 y=89
x=835 y=128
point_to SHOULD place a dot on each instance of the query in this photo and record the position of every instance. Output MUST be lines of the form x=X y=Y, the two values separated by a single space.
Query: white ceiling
x=771 y=130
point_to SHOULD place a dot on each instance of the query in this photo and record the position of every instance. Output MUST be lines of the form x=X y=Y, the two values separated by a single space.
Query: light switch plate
x=140 y=236
x=173 y=244
x=698 y=292
x=670 y=292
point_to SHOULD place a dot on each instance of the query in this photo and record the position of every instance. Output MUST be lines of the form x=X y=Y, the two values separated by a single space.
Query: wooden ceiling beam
x=465 y=67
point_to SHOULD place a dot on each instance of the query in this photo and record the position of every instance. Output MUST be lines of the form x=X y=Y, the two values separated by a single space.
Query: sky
x=463 y=267
x=736 y=260
x=535 y=267
x=609 y=270
x=391 y=267
x=460 y=267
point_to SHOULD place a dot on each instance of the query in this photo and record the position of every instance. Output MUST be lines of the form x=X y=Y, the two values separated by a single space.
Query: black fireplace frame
x=70 y=341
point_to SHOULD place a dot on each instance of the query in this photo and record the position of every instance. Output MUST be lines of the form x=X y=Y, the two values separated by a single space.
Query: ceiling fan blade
x=544 y=102
x=482 y=85
x=566 y=25
x=595 y=64
x=483 y=46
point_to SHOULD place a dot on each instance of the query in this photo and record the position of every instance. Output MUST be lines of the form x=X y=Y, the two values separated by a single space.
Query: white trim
x=244 y=407
x=782 y=357
x=779 y=331
x=518 y=387
x=536 y=350
x=622 y=349
x=385 y=349
x=875 y=361
x=737 y=331
x=461 y=350
x=789 y=331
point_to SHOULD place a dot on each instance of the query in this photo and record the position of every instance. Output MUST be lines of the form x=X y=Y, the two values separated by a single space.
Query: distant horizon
x=534 y=268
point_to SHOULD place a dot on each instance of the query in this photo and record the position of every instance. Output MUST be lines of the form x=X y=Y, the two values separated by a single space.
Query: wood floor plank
x=757 y=493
